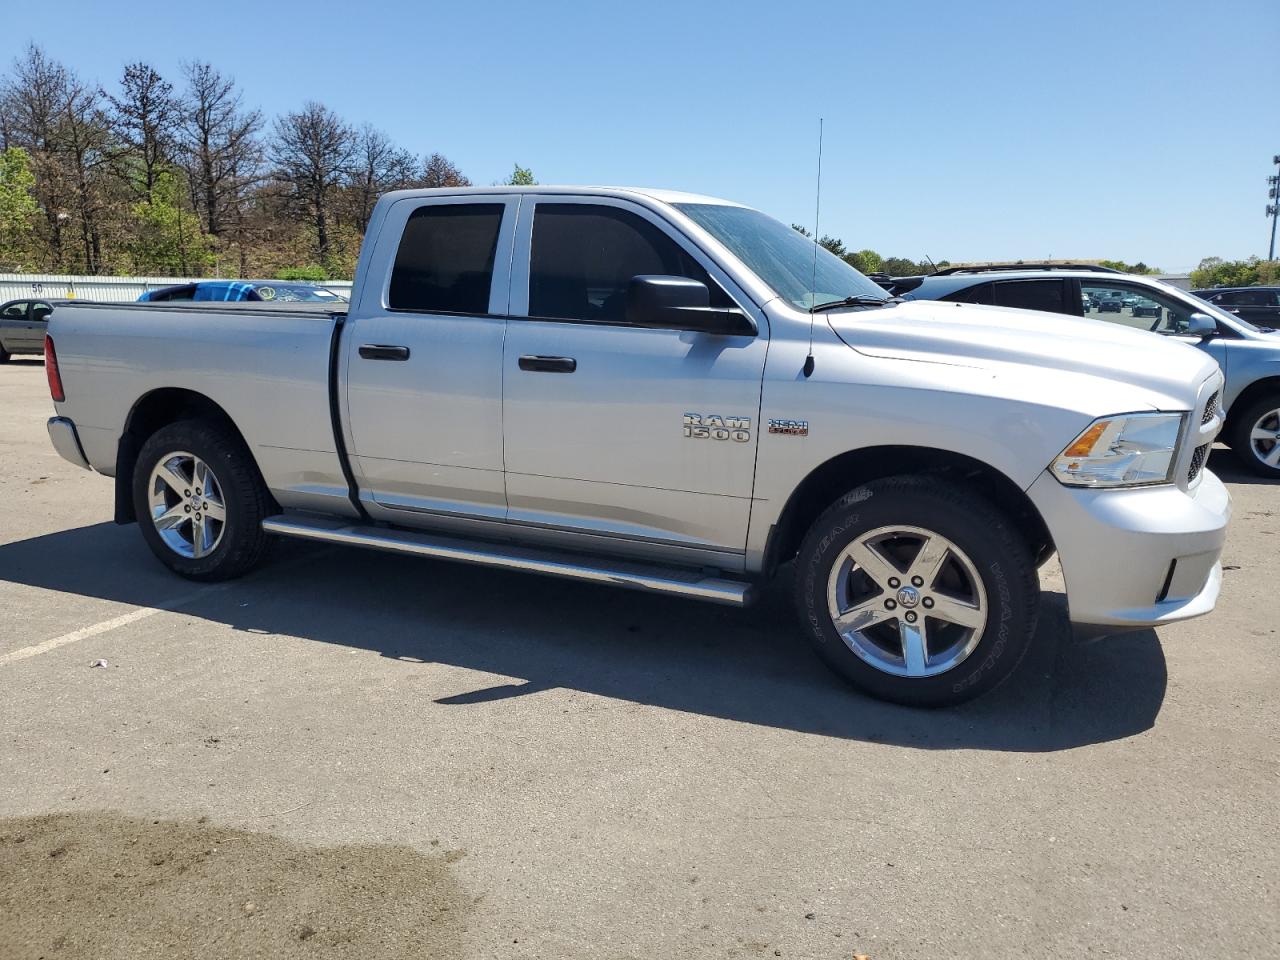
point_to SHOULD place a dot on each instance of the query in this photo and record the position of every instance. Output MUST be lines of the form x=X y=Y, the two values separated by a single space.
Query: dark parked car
x=1258 y=305
x=239 y=291
x=1146 y=308
x=22 y=326
x=1111 y=303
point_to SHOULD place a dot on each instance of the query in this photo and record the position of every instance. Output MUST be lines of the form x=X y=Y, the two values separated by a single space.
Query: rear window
x=445 y=260
x=1048 y=295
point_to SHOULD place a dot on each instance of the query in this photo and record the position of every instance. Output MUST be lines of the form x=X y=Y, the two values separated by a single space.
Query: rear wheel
x=4 y=354
x=1255 y=438
x=917 y=591
x=199 y=501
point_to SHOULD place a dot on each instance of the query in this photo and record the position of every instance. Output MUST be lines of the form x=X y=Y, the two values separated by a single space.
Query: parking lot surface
x=354 y=754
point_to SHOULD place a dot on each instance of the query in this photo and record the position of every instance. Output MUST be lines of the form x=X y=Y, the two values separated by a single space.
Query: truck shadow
x=747 y=665
x=1229 y=469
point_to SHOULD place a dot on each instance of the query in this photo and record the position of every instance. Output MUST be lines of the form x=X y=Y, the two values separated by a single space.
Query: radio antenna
x=813 y=284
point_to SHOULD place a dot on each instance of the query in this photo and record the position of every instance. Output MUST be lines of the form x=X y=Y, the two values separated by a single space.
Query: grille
x=1210 y=408
x=1197 y=462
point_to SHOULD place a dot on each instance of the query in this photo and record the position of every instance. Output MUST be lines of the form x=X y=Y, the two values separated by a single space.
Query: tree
x=1216 y=272
x=220 y=150
x=312 y=152
x=31 y=101
x=438 y=171
x=145 y=119
x=18 y=211
x=166 y=239
x=378 y=166
x=520 y=177
x=1123 y=267
x=867 y=261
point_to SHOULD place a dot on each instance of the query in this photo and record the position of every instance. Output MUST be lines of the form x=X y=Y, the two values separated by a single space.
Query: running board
x=653 y=579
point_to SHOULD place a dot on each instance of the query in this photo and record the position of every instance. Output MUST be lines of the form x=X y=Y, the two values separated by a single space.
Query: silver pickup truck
x=676 y=394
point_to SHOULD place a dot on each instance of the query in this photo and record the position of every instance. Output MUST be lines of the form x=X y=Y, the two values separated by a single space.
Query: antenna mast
x=813 y=283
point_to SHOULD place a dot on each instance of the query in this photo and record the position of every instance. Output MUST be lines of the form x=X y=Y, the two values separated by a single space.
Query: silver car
x=1248 y=354
x=22 y=327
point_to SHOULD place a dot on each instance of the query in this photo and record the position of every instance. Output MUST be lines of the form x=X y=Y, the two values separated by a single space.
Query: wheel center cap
x=908 y=596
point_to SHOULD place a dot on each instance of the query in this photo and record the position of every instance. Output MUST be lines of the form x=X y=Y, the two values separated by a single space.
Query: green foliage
x=18 y=212
x=311 y=273
x=1123 y=267
x=166 y=238
x=520 y=177
x=1216 y=272
x=866 y=261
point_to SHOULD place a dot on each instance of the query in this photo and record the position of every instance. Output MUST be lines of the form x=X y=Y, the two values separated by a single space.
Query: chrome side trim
x=653 y=579
x=62 y=433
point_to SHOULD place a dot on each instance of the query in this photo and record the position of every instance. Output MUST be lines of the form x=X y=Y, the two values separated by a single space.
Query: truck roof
x=652 y=193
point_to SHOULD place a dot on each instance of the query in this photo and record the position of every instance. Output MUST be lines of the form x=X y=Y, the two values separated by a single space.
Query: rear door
x=423 y=361
x=644 y=439
x=38 y=324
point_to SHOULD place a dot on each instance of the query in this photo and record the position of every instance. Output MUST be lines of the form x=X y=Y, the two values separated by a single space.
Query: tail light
x=51 y=371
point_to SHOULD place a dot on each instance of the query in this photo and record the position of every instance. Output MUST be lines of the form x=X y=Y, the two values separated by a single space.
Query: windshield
x=780 y=256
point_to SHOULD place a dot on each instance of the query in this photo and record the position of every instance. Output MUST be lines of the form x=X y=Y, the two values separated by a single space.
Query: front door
x=423 y=361
x=643 y=438
x=1144 y=308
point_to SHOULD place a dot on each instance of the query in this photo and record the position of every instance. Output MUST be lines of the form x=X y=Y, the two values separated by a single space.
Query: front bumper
x=1140 y=557
x=62 y=432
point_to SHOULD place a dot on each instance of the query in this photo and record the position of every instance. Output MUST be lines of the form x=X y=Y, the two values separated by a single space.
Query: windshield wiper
x=857 y=300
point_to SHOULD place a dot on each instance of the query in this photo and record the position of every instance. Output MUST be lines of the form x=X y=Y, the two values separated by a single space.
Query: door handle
x=382 y=351
x=548 y=364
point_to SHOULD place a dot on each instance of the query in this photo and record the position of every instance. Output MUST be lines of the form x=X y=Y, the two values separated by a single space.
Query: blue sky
x=982 y=130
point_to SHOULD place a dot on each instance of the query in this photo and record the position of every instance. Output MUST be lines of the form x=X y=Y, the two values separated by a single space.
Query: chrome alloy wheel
x=1264 y=439
x=187 y=506
x=907 y=601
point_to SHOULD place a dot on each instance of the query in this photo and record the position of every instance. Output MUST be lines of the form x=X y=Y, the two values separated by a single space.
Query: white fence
x=58 y=286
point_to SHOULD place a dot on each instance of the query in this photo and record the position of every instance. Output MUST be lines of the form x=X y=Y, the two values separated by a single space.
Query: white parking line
x=84 y=633
x=141 y=613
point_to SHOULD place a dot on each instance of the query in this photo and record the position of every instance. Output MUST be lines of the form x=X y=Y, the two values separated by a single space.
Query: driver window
x=40 y=311
x=1137 y=307
x=585 y=255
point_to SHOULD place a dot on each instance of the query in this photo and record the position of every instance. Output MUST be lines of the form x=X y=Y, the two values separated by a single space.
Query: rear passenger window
x=1031 y=295
x=445 y=260
x=584 y=257
x=982 y=293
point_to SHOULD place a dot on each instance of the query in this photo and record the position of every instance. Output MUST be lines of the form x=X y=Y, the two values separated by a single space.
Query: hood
x=990 y=337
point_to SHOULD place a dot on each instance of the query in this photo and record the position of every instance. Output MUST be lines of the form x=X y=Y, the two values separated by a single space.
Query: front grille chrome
x=1211 y=408
x=1198 y=458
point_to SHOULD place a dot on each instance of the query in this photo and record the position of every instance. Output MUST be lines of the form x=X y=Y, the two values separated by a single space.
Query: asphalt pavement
x=409 y=758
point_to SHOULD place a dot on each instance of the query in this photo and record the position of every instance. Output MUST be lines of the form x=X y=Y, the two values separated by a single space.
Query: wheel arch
x=1259 y=388
x=153 y=410
x=831 y=480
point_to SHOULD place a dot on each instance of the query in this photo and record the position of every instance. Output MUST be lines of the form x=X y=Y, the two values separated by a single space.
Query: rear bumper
x=62 y=432
x=1137 y=558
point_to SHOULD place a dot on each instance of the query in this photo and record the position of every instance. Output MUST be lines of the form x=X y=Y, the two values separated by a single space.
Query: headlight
x=1122 y=451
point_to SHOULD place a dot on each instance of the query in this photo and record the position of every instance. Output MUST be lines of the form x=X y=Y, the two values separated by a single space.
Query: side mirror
x=1201 y=325
x=678 y=303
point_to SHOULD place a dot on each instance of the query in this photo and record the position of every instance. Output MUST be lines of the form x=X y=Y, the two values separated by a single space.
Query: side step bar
x=654 y=579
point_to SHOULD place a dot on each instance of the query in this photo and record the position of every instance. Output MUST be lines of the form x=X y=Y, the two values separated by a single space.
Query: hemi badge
x=793 y=428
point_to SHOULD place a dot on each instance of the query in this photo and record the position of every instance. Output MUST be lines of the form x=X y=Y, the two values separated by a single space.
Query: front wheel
x=200 y=501
x=1255 y=438
x=917 y=591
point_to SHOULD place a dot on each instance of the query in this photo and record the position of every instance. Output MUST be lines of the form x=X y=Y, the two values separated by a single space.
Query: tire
x=4 y=354
x=233 y=541
x=984 y=575
x=1259 y=453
